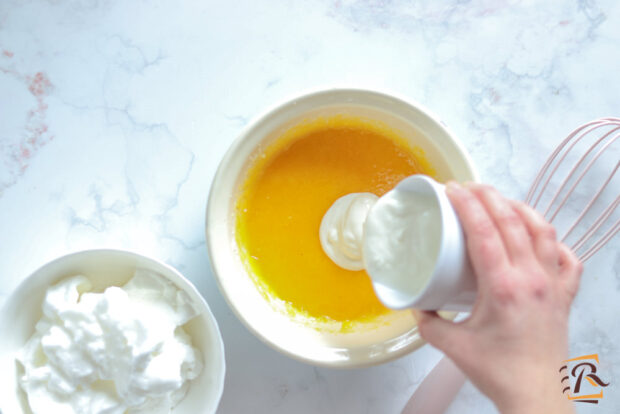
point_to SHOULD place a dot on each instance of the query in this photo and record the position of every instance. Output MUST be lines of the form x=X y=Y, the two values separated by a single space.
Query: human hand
x=513 y=344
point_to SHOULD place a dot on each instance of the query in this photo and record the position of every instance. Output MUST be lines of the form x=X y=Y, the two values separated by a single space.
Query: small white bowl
x=106 y=268
x=378 y=343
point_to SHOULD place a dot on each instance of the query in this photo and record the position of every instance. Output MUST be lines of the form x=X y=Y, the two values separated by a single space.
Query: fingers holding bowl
x=509 y=223
x=484 y=242
x=542 y=233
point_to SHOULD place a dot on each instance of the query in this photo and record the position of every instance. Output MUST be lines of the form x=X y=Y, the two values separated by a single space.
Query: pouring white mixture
x=395 y=238
x=342 y=229
x=116 y=352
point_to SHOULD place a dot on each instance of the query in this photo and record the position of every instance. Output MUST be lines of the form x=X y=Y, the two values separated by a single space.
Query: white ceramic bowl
x=379 y=342
x=106 y=268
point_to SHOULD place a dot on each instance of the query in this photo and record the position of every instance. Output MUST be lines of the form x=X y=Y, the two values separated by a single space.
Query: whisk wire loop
x=599 y=131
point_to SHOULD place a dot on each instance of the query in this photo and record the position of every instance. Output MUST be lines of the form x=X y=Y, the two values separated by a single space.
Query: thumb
x=442 y=334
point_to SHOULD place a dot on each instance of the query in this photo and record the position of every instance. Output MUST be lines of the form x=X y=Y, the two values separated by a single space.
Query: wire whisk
x=590 y=143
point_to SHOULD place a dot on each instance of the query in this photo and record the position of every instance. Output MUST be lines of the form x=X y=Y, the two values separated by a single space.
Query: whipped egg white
x=342 y=229
x=395 y=238
x=120 y=351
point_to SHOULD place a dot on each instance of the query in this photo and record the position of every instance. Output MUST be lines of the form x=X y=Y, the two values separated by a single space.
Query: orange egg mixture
x=287 y=191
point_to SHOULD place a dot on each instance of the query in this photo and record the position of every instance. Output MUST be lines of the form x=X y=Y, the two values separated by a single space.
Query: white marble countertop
x=114 y=116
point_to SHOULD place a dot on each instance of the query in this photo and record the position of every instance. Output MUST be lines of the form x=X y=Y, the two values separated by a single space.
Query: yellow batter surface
x=287 y=191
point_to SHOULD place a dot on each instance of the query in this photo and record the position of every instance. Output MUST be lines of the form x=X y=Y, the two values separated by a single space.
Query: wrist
x=542 y=393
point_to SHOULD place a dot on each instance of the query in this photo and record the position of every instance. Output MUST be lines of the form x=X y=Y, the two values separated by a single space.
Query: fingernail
x=470 y=183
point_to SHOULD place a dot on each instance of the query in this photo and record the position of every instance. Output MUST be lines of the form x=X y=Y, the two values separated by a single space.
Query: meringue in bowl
x=69 y=278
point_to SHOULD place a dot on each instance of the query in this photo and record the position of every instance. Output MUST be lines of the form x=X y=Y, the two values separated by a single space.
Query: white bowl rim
x=232 y=149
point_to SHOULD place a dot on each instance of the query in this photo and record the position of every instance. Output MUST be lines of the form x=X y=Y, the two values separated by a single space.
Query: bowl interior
x=106 y=268
x=385 y=339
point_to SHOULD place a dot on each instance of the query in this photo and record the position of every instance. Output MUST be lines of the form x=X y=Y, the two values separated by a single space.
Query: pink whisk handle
x=437 y=391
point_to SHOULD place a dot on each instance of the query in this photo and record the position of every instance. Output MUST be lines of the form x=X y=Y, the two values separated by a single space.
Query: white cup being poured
x=410 y=242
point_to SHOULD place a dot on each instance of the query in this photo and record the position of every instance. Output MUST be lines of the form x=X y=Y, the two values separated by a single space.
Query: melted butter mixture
x=287 y=191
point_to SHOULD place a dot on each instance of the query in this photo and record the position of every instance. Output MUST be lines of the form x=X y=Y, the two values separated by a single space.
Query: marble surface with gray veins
x=114 y=116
